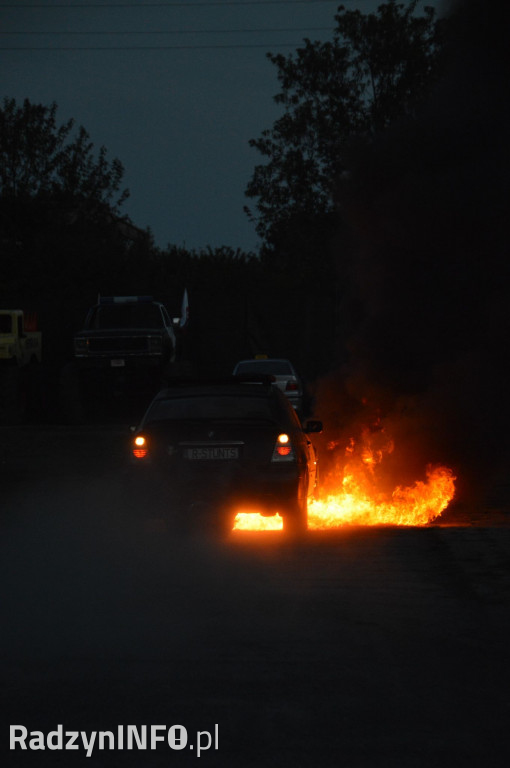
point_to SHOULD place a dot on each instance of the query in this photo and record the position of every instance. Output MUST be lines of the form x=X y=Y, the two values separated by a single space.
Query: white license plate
x=213 y=452
x=117 y=363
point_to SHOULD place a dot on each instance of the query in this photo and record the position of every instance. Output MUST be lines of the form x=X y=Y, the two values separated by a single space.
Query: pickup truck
x=122 y=333
x=20 y=343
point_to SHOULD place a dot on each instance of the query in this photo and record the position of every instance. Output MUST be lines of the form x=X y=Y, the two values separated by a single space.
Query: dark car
x=225 y=446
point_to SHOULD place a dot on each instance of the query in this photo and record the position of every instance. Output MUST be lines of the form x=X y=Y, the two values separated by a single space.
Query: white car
x=283 y=372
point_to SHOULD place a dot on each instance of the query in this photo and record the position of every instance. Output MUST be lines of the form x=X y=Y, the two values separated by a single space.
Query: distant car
x=285 y=377
x=225 y=446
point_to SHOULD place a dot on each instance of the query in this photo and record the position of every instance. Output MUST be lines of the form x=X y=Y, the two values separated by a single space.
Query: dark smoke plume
x=428 y=202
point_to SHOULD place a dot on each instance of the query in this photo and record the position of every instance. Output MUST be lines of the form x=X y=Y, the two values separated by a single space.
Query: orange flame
x=354 y=504
x=253 y=521
x=353 y=494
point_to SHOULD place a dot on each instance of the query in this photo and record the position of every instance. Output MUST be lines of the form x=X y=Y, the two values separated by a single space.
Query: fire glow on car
x=356 y=486
x=204 y=449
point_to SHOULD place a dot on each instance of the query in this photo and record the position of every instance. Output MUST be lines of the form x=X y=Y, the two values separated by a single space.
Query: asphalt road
x=361 y=648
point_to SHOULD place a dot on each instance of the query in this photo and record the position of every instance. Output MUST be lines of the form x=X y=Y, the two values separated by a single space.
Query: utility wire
x=177 y=31
x=267 y=46
x=165 y=5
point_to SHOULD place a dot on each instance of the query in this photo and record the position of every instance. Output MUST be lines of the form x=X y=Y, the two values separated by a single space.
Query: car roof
x=238 y=388
x=234 y=388
x=265 y=360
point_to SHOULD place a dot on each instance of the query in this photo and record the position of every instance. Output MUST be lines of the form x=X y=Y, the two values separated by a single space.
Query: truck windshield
x=5 y=324
x=125 y=316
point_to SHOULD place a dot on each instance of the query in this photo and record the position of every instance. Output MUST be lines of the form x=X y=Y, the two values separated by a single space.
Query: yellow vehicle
x=20 y=343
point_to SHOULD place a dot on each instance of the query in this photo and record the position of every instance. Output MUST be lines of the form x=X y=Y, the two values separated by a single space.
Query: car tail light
x=140 y=447
x=283 y=450
x=291 y=386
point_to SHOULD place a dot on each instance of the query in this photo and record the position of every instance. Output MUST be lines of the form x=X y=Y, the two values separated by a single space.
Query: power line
x=165 y=5
x=267 y=46
x=177 y=31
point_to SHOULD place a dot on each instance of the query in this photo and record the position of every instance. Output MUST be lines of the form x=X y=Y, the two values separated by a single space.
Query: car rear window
x=212 y=407
x=265 y=367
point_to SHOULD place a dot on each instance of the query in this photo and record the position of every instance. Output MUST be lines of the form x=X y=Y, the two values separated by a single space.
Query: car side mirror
x=313 y=426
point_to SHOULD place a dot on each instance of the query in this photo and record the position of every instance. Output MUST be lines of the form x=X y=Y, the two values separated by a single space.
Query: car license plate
x=213 y=452
x=117 y=363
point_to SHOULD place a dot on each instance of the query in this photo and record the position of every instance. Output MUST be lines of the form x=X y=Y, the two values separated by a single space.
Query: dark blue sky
x=178 y=112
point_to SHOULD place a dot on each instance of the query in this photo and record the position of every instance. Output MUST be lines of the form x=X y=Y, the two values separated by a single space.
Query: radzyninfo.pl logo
x=124 y=737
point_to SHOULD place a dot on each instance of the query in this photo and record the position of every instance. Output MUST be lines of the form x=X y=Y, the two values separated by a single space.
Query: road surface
x=363 y=648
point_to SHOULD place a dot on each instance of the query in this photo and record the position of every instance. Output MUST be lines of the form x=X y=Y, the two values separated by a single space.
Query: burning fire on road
x=355 y=491
x=253 y=521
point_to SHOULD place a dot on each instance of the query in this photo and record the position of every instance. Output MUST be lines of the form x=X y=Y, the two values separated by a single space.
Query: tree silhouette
x=377 y=68
x=38 y=157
